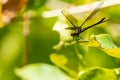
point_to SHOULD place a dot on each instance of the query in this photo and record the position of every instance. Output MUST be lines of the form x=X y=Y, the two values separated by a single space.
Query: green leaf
x=105 y=41
x=97 y=74
x=107 y=45
x=114 y=52
x=41 y=71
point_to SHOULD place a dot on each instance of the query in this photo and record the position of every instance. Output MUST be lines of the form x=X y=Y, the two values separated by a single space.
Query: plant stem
x=26 y=36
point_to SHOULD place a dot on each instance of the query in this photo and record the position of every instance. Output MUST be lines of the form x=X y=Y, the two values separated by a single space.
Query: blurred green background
x=46 y=45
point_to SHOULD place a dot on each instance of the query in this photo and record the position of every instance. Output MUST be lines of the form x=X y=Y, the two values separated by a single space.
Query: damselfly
x=78 y=29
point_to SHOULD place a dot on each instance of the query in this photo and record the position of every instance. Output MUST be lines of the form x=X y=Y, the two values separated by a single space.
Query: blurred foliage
x=41 y=72
x=35 y=4
x=49 y=52
x=98 y=74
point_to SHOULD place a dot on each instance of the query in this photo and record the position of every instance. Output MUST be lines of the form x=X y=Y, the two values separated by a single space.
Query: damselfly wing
x=78 y=29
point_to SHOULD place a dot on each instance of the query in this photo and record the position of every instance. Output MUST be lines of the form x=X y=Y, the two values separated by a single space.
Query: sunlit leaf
x=108 y=46
x=1 y=21
x=41 y=72
x=60 y=60
x=0 y=10
x=115 y=52
x=103 y=42
x=97 y=74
